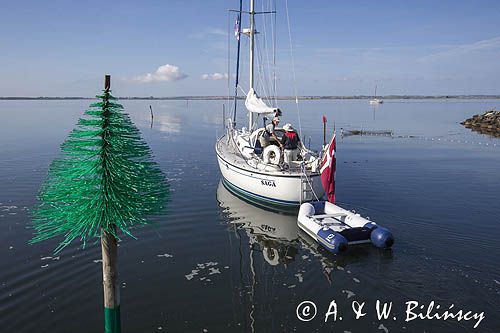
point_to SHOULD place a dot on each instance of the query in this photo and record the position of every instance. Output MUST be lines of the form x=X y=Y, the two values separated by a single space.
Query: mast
x=375 y=91
x=237 y=64
x=252 y=41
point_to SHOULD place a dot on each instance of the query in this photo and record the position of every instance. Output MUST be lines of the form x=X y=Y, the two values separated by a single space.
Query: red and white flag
x=328 y=167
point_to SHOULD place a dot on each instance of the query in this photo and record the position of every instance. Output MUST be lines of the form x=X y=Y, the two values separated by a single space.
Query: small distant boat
x=336 y=228
x=376 y=100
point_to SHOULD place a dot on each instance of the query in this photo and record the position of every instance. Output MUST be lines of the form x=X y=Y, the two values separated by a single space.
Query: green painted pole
x=109 y=246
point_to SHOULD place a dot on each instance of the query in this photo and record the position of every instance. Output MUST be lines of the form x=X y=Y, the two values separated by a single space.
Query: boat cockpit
x=251 y=148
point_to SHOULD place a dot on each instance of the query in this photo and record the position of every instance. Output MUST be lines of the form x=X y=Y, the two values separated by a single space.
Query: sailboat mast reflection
x=276 y=236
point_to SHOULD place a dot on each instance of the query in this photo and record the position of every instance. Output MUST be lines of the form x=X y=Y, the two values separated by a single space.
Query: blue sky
x=63 y=48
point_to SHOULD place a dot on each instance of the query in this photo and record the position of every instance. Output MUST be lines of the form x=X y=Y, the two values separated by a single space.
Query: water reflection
x=492 y=133
x=274 y=233
x=168 y=123
x=274 y=256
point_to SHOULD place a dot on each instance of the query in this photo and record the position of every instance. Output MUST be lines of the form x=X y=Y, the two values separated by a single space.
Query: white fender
x=272 y=154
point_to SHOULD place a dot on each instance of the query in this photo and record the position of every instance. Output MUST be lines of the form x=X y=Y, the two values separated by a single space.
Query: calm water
x=218 y=264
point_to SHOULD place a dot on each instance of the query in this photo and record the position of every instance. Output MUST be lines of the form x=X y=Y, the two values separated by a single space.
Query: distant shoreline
x=218 y=98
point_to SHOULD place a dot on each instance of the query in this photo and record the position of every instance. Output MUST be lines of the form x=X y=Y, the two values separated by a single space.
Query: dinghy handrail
x=331 y=223
x=323 y=216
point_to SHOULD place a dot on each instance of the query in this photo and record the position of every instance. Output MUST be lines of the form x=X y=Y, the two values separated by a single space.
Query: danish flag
x=328 y=167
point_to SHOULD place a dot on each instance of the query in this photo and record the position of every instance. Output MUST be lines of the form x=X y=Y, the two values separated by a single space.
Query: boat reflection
x=271 y=251
x=272 y=232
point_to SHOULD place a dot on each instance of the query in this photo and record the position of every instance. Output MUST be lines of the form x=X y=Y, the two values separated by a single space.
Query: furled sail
x=255 y=104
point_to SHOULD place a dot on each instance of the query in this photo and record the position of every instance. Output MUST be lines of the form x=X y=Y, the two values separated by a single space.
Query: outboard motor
x=319 y=207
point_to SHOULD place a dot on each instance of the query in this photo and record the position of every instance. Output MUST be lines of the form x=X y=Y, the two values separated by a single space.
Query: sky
x=178 y=48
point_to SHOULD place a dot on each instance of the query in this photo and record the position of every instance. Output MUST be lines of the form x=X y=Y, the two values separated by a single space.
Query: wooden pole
x=152 y=116
x=107 y=82
x=109 y=248
x=110 y=283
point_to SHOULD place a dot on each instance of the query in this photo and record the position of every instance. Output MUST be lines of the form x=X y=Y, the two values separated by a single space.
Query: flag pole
x=324 y=131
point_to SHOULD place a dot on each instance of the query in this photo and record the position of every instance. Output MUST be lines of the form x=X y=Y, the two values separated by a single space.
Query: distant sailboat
x=376 y=100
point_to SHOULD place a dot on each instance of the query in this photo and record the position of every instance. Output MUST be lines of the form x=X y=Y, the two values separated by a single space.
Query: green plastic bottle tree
x=105 y=183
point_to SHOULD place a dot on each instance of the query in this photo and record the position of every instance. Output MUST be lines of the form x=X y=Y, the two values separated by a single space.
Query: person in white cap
x=265 y=139
x=290 y=143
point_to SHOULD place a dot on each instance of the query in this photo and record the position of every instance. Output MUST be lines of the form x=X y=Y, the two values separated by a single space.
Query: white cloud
x=163 y=73
x=217 y=31
x=215 y=76
x=208 y=32
x=486 y=44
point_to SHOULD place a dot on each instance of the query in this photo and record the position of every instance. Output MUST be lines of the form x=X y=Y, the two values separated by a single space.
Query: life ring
x=271 y=256
x=272 y=154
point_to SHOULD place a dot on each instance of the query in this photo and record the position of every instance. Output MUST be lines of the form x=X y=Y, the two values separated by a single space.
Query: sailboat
x=260 y=173
x=376 y=100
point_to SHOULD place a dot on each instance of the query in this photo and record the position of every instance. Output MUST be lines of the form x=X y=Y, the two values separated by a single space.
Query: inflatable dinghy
x=335 y=228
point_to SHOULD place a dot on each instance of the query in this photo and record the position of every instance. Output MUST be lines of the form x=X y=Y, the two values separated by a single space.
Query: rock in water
x=487 y=123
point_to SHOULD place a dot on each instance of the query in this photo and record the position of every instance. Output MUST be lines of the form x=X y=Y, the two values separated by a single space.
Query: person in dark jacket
x=290 y=142
x=269 y=135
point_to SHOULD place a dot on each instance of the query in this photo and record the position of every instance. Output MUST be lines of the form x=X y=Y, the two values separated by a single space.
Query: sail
x=255 y=104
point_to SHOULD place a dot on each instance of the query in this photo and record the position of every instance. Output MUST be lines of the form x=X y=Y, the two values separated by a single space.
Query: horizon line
x=218 y=97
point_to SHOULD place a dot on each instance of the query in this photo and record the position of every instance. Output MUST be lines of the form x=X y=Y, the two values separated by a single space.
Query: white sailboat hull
x=283 y=188
x=376 y=101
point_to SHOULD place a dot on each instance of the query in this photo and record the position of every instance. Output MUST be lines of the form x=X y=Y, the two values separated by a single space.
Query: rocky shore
x=486 y=123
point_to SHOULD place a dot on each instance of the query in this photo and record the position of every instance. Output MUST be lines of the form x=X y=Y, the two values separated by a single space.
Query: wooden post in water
x=107 y=82
x=110 y=283
x=152 y=116
x=109 y=247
